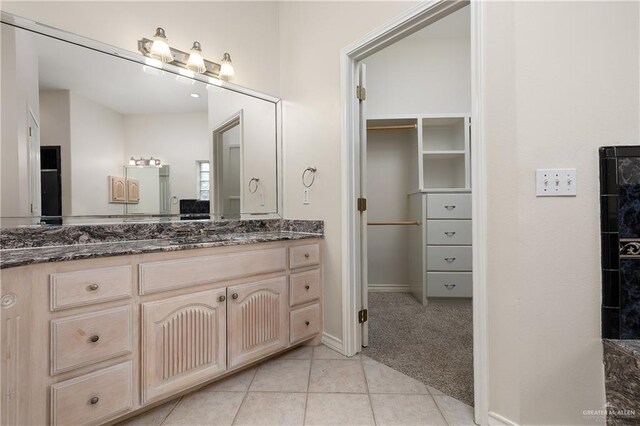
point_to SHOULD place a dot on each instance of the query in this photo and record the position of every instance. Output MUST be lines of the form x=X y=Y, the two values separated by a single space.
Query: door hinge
x=363 y=315
x=361 y=93
x=362 y=204
x=31 y=207
x=30 y=134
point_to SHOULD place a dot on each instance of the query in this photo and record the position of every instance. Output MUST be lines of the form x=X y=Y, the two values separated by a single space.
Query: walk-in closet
x=418 y=181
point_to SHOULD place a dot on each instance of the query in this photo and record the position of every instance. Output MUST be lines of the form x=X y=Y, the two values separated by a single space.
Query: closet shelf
x=445 y=152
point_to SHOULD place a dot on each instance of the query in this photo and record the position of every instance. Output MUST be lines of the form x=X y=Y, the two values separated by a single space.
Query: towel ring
x=311 y=170
x=256 y=180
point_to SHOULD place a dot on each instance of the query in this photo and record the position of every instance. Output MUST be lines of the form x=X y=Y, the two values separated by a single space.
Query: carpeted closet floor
x=432 y=344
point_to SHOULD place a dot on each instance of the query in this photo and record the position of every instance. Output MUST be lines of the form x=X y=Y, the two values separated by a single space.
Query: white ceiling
x=116 y=83
x=456 y=25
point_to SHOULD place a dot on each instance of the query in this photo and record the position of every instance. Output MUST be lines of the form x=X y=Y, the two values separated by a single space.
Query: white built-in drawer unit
x=306 y=255
x=449 y=232
x=448 y=206
x=79 y=288
x=304 y=287
x=449 y=284
x=171 y=274
x=449 y=258
x=304 y=323
x=94 y=397
x=85 y=339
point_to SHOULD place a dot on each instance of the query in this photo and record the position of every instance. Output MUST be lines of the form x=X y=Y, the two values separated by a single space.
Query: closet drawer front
x=304 y=323
x=304 y=287
x=448 y=258
x=451 y=232
x=85 y=339
x=70 y=289
x=167 y=275
x=301 y=256
x=449 y=206
x=93 y=398
x=449 y=284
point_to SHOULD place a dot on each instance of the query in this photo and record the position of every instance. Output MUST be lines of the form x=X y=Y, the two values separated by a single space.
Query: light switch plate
x=305 y=196
x=556 y=183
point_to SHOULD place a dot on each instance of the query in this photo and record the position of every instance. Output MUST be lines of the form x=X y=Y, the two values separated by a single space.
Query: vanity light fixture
x=226 y=69
x=145 y=162
x=160 y=47
x=196 y=61
x=132 y=161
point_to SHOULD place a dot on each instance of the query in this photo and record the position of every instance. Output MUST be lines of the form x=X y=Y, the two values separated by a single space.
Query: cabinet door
x=258 y=320
x=183 y=342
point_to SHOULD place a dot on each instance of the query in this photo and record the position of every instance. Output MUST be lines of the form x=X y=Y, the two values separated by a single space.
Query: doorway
x=51 y=185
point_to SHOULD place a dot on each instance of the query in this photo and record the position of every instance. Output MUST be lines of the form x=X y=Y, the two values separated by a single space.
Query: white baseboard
x=498 y=420
x=397 y=288
x=333 y=342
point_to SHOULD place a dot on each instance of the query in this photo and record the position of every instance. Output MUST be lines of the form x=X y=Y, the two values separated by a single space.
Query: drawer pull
x=450 y=234
x=222 y=298
x=307 y=323
x=306 y=255
x=449 y=286
x=94 y=400
x=449 y=207
x=93 y=287
x=449 y=259
x=306 y=287
x=234 y=296
x=94 y=338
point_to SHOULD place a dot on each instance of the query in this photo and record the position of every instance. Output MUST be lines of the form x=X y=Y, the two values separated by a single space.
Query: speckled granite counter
x=622 y=381
x=31 y=245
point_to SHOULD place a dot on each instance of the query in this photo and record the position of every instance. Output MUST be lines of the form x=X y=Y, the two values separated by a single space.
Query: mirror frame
x=68 y=37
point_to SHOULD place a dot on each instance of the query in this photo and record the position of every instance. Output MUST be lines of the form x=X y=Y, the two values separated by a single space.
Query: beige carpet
x=432 y=344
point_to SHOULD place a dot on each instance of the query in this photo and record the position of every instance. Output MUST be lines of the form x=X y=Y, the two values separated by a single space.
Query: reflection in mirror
x=91 y=137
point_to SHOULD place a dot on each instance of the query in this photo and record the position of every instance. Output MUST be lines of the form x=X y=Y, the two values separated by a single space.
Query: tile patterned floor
x=312 y=386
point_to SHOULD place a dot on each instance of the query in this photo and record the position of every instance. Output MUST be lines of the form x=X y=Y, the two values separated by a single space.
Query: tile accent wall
x=620 y=236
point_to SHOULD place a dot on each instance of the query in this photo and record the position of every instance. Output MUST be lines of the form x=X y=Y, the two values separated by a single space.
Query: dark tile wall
x=620 y=236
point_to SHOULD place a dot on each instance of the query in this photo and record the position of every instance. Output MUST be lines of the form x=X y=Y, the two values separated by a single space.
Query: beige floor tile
x=323 y=352
x=383 y=379
x=301 y=352
x=337 y=376
x=153 y=417
x=235 y=383
x=338 y=409
x=282 y=375
x=457 y=413
x=406 y=410
x=272 y=408
x=206 y=407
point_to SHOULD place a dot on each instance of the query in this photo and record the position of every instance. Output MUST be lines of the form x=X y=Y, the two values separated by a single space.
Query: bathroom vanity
x=88 y=341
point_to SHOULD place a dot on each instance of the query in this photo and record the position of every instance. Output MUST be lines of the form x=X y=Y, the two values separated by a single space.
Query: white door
x=364 y=279
x=33 y=135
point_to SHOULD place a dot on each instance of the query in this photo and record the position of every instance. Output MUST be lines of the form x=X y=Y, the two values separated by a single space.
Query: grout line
x=366 y=384
x=170 y=411
x=306 y=401
x=446 y=419
x=246 y=392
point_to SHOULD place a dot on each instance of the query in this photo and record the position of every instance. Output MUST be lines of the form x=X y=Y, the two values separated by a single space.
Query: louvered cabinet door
x=183 y=342
x=258 y=320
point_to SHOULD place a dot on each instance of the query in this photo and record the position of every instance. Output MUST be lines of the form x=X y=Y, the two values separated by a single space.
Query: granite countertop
x=29 y=256
x=630 y=346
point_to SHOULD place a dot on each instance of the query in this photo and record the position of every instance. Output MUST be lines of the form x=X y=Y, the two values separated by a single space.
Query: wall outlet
x=261 y=199
x=305 y=196
x=556 y=183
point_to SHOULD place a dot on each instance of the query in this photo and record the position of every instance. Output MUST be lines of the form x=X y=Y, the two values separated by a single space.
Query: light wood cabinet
x=117 y=189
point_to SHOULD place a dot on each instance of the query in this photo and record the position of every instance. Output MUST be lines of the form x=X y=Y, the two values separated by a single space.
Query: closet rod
x=398 y=127
x=393 y=223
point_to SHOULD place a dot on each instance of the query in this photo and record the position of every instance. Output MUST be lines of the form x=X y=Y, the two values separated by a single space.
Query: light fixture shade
x=132 y=161
x=196 y=61
x=226 y=68
x=160 y=48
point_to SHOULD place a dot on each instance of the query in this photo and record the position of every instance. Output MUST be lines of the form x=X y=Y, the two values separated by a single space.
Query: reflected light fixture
x=160 y=48
x=196 y=61
x=132 y=161
x=226 y=68
x=195 y=95
x=145 y=162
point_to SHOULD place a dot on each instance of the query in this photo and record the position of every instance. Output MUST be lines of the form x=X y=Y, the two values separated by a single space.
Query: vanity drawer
x=304 y=323
x=449 y=284
x=452 y=258
x=93 y=398
x=449 y=232
x=85 y=339
x=304 y=287
x=170 y=274
x=449 y=206
x=301 y=256
x=71 y=289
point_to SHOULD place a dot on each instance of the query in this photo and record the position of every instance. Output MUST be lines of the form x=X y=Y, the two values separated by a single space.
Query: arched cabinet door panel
x=258 y=320
x=183 y=342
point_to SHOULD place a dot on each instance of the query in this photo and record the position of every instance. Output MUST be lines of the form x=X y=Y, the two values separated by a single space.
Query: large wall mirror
x=95 y=135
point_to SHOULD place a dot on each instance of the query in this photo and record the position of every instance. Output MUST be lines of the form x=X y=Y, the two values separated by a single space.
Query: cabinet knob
x=93 y=287
x=450 y=234
x=449 y=207
x=449 y=259
x=94 y=400
x=234 y=296
x=306 y=255
x=222 y=298
x=307 y=323
x=449 y=286
x=94 y=338
x=306 y=287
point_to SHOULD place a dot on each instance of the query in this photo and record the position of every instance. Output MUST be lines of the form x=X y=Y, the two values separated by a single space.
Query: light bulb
x=132 y=161
x=196 y=61
x=160 y=48
x=226 y=69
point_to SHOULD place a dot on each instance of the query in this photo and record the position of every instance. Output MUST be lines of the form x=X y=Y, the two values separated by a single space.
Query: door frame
x=407 y=23
x=235 y=120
